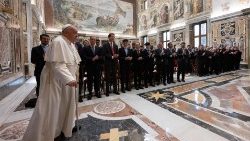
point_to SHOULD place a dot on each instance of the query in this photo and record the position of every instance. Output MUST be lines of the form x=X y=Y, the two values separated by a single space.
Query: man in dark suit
x=37 y=58
x=170 y=56
x=79 y=47
x=93 y=56
x=160 y=62
x=125 y=58
x=137 y=66
x=182 y=58
x=110 y=52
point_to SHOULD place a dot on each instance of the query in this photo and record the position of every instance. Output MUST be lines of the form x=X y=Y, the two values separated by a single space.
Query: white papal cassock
x=55 y=108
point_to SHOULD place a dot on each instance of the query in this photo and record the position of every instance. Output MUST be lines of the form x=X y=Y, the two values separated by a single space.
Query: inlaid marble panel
x=189 y=87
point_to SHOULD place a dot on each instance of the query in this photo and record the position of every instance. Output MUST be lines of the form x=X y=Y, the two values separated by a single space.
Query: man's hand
x=72 y=83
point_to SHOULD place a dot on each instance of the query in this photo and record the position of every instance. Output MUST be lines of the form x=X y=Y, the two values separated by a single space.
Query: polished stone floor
x=213 y=108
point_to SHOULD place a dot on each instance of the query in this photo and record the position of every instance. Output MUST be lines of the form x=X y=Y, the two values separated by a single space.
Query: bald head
x=70 y=32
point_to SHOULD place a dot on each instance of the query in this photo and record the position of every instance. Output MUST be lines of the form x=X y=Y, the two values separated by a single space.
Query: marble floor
x=213 y=108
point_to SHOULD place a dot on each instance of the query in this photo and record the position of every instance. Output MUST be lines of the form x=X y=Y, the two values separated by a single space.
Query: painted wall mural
x=232 y=32
x=221 y=7
x=178 y=9
x=158 y=14
x=196 y=6
x=95 y=15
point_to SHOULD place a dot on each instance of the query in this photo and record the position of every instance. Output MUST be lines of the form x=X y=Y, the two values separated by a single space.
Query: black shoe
x=80 y=99
x=183 y=80
x=123 y=91
x=146 y=86
x=89 y=97
x=61 y=137
x=141 y=87
x=75 y=129
x=137 y=88
x=173 y=82
x=116 y=92
x=98 y=96
x=128 y=89
x=179 y=80
x=164 y=84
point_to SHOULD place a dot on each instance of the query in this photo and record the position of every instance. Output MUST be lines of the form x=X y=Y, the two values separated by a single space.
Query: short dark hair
x=42 y=35
x=110 y=34
x=125 y=40
x=147 y=43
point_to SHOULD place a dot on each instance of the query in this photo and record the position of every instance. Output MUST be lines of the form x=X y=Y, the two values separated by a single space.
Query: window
x=145 y=39
x=166 y=38
x=200 y=34
x=145 y=4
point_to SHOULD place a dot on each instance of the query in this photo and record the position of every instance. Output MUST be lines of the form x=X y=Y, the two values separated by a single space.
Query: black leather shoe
x=61 y=137
x=116 y=92
x=80 y=99
x=75 y=129
x=123 y=91
x=89 y=97
x=98 y=96
x=183 y=80
x=179 y=80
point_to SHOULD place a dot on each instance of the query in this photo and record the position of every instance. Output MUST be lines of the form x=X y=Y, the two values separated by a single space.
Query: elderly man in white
x=55 y=109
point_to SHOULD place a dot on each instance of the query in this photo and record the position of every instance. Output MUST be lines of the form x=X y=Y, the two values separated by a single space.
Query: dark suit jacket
x=122 y=55
x=107 y=52
x=37 y=58
x=88 y=55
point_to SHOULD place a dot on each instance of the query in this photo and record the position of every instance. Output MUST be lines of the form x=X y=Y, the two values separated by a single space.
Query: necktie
x=112 y=48
x=93 y=49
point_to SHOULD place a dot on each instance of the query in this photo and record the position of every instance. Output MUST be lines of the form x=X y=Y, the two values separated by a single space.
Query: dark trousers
x=94 y=76
x=110 y=76
x=37 y=84
x=181 y=70
x=170 y=73
x=125 y=77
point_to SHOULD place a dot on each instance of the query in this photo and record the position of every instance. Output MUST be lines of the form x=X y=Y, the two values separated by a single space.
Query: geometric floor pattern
x=213 y=108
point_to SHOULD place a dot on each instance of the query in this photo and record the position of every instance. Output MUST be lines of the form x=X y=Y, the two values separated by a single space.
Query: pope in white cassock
x=55 y=109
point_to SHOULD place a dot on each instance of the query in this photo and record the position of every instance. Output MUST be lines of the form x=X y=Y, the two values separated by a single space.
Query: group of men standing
x=107 y=67
x=57 y=68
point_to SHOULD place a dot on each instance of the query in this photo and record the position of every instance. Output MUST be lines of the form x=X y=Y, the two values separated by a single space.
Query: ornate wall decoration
x=178 y=9
x=228 y=29
x=178 y=37
x=196 y=6
x=152 y=40
x=95 y=15
x=5 y=46
x=164 y=14
x=232 y=32
x=157 y=15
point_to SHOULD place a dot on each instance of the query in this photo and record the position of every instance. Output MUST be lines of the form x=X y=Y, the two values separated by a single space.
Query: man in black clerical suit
x=93 y=57
x=37 y=58
x=182 y=58
x=160 y=62
x=148 y=59
x=110 y=54
x=125 y=58
x=138 y=66
x=170 y=56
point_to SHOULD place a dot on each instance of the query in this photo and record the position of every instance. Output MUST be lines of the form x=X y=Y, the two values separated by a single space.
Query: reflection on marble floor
x=214 y=108
x=223 y=93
